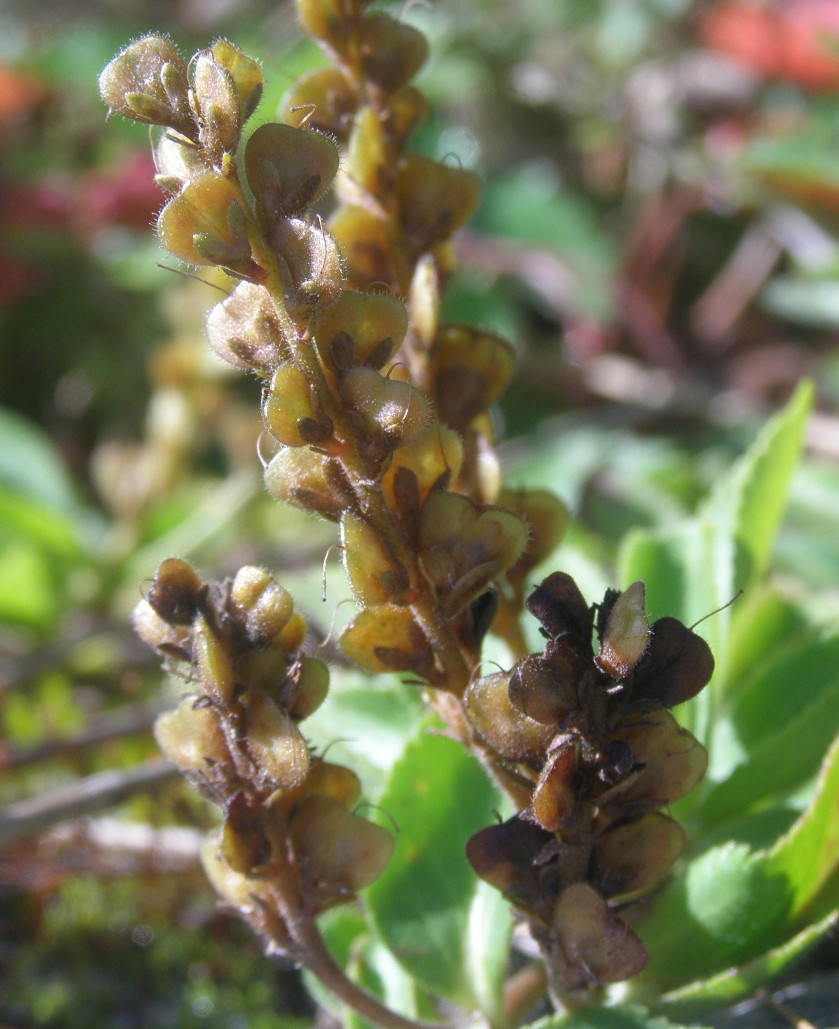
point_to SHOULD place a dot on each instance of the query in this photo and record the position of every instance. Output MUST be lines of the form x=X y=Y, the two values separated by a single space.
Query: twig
x=83 y=797
x=125 y=721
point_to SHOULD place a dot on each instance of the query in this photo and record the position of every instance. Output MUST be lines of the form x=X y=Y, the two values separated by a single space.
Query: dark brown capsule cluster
x=590 y=732
x=288 y=814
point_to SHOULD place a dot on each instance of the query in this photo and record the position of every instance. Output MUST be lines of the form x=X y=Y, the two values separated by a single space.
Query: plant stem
x=311 y=951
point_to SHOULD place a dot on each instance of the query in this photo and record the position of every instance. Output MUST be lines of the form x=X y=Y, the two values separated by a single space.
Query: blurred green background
x=658 y=237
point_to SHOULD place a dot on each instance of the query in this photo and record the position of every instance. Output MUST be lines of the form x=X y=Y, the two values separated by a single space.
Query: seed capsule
x=504 y=727
x=288 y=169
x=245 y=331
x=627 y=633
x=147 y=81
x=338 y=852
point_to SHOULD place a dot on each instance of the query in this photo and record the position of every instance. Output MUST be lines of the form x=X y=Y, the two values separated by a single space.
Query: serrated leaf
x=750 y=503
x=808 y=855
x=726 y=907
x=705 y=995
x=439 y=796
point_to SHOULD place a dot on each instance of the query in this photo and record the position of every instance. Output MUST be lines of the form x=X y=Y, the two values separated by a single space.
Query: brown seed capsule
x=504 y=727
x=314 y=274
x=563 y=611
x=631 y=859
x=387 y=639
x=359 y=329
x=472 y=369
x=407 y=109
x=174 y=592
x=288 y=169
x=177 y=161
x=391 y=52
x=204 y=224
x=248 y=894
x=245 y=73
x=555 y=796
x=433 y=458
x=263 y=606
x=593 y=945
x=626 y=635
x=212 y=661
x=337 y=852
x=434 y=199
x=369 y=248
x=324 y=100
x=245 y=331
x=675 y=667
x=375 y=576
x=274 y=742
x=326 y=20
x=465 y=547
x=147 y=81
x=506 y=855
x=160 y=634
x=391 y=411
x=192 y=738
x=309 y=687
x=546 y=689
x=670 y=762
x=546 y=516
x=289 y=408
x=334 y=781
x=217 y=105
x=305 y=479
x=243 y=843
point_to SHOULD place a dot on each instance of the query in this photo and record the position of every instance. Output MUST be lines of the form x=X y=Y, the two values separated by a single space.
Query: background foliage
x=658 y=237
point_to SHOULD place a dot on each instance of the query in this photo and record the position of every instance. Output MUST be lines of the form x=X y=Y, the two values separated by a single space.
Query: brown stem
x=311 y=950
x=319 y=961
x=523 y=991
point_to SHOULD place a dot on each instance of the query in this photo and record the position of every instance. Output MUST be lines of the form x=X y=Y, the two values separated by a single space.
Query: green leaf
x=439 y=796
x=699 y=566
x=783 y=686
x=30 y=466
x=779 y=763
x=740 y=981
x=488 y=949
x=28 y=595
x=726 y=907
x=758 y=620
x=607 y=1018
x=808 y=855
x=750 y=503
x=366 y=726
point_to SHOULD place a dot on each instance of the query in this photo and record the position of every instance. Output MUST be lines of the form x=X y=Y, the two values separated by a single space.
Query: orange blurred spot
x=796 y=41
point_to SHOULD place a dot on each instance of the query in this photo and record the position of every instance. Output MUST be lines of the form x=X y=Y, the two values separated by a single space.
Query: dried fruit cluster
x=290 y=843
x=379 y=415
x=592 y=736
